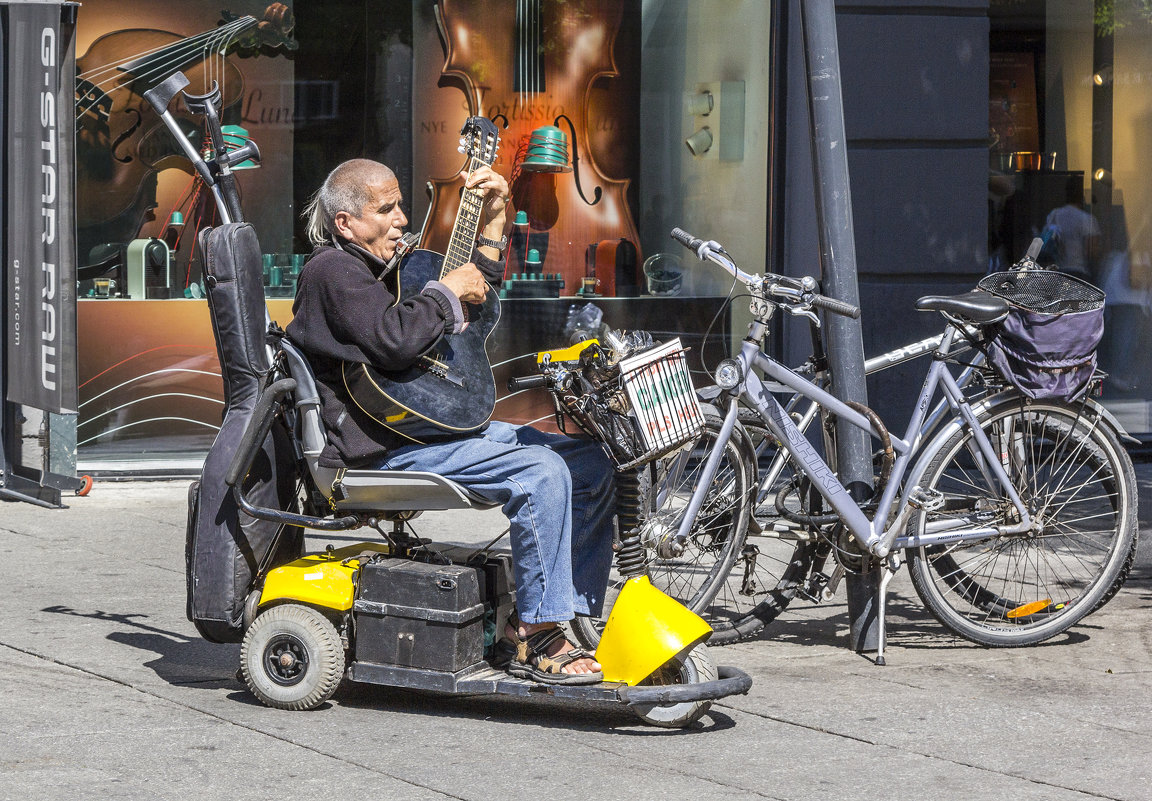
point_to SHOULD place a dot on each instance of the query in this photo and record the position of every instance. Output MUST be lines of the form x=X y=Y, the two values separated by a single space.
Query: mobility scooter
x=400 y=611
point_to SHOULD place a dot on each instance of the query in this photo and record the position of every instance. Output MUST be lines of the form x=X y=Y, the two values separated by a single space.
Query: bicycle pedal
x=813 y=589
x=928 y=500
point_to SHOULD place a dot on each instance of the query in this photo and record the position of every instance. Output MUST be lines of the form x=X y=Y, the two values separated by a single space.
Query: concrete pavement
x=110 y=694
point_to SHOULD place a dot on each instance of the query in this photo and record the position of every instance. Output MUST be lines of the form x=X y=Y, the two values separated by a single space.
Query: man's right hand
x=467 y=283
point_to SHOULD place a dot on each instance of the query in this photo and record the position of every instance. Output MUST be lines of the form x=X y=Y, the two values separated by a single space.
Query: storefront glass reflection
x=394 y=82
x=1070 y=117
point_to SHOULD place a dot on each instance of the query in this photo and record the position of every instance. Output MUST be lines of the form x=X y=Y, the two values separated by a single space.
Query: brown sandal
x=532 y=662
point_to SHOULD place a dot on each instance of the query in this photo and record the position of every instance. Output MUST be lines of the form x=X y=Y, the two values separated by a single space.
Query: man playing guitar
x=557 y=492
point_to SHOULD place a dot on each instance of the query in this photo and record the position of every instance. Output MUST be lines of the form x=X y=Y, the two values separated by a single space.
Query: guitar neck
x=467 y=225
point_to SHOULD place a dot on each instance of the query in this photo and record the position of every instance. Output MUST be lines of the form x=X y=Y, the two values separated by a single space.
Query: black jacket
x=345 y=311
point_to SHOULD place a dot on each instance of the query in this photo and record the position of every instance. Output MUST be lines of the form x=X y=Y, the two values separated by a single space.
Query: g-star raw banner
x=40 y=214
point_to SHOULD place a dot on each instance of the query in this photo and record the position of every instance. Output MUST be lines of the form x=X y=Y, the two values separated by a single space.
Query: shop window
x=623 y=84
x=1070 y=118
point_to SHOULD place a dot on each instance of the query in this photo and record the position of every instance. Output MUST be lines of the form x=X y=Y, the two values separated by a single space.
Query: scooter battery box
x=494 y=572
x=419 y=615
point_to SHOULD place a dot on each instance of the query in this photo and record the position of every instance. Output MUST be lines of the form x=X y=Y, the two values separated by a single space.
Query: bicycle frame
x=876 y=536
x=874 y=365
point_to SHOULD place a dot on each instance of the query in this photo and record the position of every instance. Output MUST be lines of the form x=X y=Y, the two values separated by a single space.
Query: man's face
x=381 y=222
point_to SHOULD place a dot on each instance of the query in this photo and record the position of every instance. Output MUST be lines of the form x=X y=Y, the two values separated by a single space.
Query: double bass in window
x=533 y=63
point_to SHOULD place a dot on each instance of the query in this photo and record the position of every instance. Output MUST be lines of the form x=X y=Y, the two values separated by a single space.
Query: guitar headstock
x=480 y=139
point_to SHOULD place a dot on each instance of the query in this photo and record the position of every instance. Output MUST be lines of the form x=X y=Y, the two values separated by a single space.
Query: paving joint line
x=865 y=741
x=222 y=719
x=708 y=779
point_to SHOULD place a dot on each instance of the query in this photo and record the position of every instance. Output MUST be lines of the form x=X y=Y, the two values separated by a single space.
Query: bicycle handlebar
x=835 y=306
x=796 y=290
x=713 y=252
x=687 y=240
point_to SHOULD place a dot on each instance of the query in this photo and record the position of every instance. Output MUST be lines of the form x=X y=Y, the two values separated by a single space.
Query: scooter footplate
x=480 y=678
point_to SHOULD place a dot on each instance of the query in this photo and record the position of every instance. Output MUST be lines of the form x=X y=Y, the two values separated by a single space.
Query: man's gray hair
x=345 y=189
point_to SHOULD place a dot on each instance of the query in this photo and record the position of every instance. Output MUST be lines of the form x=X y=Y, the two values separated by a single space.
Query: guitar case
x=225 y=547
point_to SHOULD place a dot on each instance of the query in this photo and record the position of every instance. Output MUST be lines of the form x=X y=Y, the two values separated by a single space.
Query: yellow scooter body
x=646 y=629
x=323 y=580
x=569 y=354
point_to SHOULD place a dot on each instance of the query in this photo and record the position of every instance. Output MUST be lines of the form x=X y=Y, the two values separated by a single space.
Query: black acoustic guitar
x=450 y=388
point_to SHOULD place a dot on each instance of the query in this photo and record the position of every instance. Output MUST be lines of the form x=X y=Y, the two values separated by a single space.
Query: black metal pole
x=777 y=139
x=844 y=335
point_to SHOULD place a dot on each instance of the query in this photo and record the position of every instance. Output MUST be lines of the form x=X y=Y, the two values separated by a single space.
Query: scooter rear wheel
x=292 y=657
x=695 y=669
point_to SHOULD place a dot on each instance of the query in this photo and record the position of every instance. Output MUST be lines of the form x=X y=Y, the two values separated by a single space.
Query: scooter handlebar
x=527 y=382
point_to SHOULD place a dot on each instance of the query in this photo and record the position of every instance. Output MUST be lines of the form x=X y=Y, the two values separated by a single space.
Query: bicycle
x=736 y=584
x=1017 y=517
x=785 y=552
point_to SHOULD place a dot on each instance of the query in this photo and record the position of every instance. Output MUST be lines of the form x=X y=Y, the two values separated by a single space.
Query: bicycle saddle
x=976 y=306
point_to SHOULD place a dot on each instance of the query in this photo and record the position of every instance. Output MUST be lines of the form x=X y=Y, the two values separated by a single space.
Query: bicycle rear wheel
x=692 y=575
x=1079 y=486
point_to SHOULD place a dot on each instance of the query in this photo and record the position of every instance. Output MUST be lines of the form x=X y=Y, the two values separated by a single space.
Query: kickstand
x=889 y=568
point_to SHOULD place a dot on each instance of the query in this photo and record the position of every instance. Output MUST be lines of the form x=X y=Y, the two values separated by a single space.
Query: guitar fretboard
x=467 y=225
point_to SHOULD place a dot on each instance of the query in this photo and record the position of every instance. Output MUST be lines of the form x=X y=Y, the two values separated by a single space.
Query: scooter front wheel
x=292 y=657
x=697 y=668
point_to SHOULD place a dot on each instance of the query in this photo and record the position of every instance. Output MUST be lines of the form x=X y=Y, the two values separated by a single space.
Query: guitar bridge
x=439 y=369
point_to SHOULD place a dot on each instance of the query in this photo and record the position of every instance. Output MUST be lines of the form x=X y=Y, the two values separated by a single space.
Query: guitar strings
x=535 y=52
x=214 y=42
x=189 y=44
x=181 y=48
x=459 y=246
x=521 y=35
x=214 y=66
x=529 y=39
x=217 y=63
x=217 y=40
x=91 y=99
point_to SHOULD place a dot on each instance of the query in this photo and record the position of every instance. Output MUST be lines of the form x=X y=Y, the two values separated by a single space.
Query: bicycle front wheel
x=693 y=571
x=772 y=563
x=1080 y=490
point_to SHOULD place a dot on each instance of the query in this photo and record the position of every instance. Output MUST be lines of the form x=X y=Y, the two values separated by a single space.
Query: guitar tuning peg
x=460 y=149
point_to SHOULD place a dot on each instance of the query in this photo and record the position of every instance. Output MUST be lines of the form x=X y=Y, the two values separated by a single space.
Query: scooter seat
x=395 y=490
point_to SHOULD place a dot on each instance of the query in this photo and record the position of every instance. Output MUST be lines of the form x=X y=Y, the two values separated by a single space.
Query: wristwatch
x=500 y=245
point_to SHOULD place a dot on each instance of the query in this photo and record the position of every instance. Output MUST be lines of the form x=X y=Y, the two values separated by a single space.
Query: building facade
x=971 y=128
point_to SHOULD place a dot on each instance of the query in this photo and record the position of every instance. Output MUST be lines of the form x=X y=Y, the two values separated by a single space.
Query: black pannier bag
x=225 y=547
x=1046 y=346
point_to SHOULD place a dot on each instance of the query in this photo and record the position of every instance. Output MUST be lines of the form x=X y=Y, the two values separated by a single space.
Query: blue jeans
x=558 y=494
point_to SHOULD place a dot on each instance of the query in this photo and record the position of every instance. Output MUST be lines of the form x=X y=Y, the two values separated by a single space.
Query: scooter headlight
x=728 y=374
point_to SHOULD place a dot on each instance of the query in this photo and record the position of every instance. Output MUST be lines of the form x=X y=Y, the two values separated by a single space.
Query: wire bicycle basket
x=1046 y=346
x=1044 y=291
x=645 y=409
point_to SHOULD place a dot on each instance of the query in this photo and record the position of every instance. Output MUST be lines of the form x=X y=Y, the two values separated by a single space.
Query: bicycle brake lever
x=804 y=310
